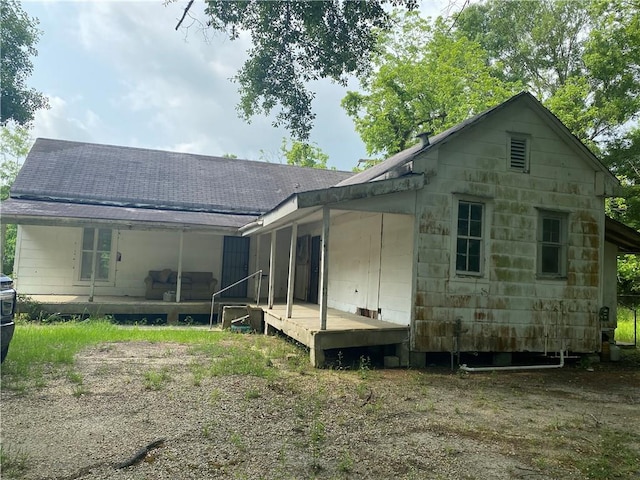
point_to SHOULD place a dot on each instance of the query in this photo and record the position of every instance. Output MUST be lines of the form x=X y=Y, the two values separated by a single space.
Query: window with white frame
x=96 y=247
x=469 y=237
x=518 y=150
x=552 y=244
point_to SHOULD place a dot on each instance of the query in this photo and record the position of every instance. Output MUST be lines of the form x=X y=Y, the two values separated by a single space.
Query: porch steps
x=236 y=317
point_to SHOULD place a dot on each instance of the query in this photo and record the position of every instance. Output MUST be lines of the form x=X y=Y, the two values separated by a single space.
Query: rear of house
x=489 y=237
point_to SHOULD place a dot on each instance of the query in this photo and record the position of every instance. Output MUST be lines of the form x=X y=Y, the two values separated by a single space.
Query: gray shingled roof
x=86 y=173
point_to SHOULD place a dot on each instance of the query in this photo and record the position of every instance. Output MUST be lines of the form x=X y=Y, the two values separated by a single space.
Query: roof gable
x=79 y=172
x=388 y=166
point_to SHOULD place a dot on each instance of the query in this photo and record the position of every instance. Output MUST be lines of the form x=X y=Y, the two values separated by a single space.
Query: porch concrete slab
x=344 y=330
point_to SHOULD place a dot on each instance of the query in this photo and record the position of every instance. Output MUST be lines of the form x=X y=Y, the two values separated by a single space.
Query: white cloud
x=67 y=120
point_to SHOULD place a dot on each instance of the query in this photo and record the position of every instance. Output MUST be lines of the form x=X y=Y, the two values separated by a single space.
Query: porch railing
x=245 y=279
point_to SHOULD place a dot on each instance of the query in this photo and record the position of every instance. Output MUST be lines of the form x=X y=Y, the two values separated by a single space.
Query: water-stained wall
x=508 y=306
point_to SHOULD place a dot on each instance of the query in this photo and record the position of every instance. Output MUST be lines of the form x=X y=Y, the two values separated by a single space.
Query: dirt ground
x=327 y=424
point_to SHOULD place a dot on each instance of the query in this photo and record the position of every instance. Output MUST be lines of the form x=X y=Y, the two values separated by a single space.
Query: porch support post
x=272 y=269
x=179 y=283
x=324 y=267
x=292 y=269
x=256 y=281
x=94 y=259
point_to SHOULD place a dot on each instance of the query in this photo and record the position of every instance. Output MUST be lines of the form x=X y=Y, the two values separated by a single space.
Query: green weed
x=624 y=330
x=13 y=464
x=154 y=380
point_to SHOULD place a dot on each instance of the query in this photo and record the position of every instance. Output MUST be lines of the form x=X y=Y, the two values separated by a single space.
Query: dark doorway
x=314 y=270
x=235 y=265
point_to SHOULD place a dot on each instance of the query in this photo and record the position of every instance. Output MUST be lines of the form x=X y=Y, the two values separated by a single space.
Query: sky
x=117 y=72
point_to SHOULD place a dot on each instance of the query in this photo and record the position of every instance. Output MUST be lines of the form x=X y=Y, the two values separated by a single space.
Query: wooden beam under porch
x=343 y=330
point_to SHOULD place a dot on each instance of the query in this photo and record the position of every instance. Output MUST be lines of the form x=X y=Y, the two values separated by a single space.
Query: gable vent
x=518 y=154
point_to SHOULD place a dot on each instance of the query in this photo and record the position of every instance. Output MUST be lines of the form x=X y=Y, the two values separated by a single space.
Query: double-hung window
x=469 y=238
x=552 y=244
x=96 y=253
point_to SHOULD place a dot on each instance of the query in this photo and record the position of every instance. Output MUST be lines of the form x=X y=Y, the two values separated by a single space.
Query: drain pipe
x=464 y=367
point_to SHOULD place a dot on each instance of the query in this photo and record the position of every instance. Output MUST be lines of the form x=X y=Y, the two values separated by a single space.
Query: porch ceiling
x=35 y=212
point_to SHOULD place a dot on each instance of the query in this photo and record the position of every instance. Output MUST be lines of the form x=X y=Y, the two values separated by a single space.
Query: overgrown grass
x=42 y=349
x=624 y=332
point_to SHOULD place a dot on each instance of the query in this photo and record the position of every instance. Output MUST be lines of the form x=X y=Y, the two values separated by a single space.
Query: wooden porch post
x=257 y=281
x=272 y=269
x=94 y=259
x=292 y=269
x=324 y=268
x=179 y=283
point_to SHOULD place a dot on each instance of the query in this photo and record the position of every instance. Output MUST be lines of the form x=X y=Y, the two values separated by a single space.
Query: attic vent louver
x=518 y=154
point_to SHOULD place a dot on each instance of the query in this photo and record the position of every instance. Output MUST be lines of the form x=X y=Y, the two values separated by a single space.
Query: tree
x=303 y=154
x=19 y=36
x=579 y=58
x=295 y=43
x=425 y=79
x=14 y=146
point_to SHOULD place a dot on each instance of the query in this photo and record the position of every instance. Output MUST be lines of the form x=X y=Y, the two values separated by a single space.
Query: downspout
x=464 y=367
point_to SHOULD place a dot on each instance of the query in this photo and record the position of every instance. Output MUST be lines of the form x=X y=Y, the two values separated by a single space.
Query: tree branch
x=184 y=14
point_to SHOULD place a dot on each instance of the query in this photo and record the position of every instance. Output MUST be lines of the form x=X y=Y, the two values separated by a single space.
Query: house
x=488 y=237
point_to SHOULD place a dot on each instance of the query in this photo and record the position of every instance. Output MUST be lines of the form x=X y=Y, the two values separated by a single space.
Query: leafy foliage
x=579 y=58
x=15 y=142
x=303 y=154
x=19 y=36
x=294 y=43
x=426 y=79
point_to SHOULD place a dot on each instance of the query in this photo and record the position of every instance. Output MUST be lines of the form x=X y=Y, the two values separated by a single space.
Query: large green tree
x=295 y=43
x=579 y=58
x=425 y=79
x=19 y=34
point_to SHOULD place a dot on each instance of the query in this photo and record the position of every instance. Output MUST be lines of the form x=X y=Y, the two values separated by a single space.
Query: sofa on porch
x=195 y=285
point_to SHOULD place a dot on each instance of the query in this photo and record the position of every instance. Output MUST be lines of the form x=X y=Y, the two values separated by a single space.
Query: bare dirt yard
x=301 y=423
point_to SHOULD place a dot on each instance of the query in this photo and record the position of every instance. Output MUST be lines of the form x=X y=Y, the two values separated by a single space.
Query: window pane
x=87 y=239
x=474 y=248
x=463 y=226
x=475 y=229
x=474 y=263
x=476 y=212
x=463 y=210
x=104 y=240
x=550 y=259
x=461 y=262
x=85 y=272
x=102 y=272
x=551 y=230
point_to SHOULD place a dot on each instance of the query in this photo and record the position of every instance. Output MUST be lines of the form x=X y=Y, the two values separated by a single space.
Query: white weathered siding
x=370 y=264
x=508 y=308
